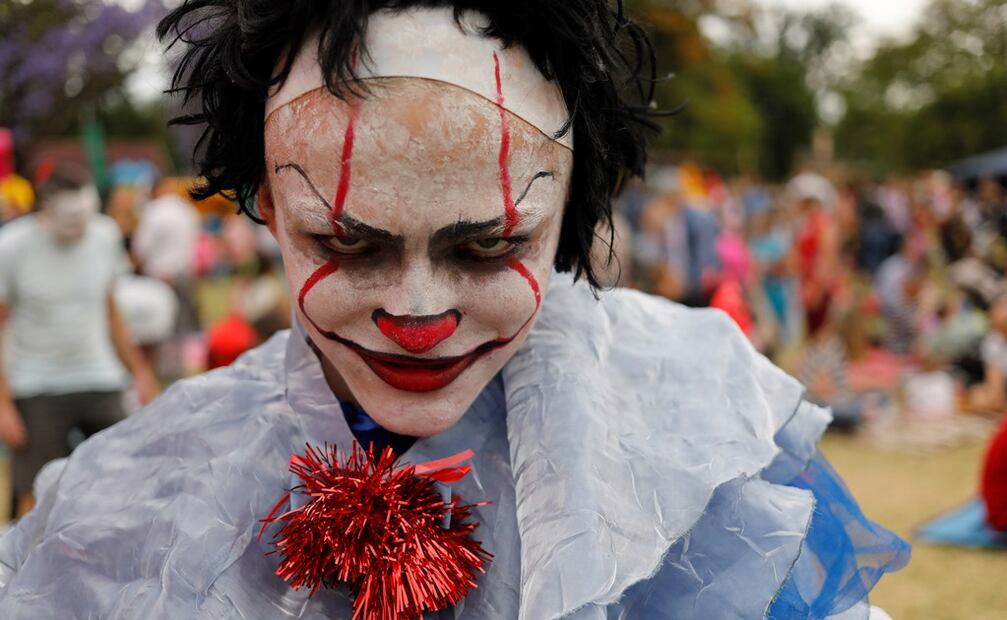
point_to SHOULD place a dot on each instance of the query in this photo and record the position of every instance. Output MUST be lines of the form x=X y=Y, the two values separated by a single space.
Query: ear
x=265 y=206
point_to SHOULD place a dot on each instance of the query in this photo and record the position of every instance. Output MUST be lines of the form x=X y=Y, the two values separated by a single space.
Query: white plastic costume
x=642 y=460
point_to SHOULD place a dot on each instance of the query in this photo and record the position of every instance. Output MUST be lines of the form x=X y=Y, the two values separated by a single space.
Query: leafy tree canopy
x=933 y=98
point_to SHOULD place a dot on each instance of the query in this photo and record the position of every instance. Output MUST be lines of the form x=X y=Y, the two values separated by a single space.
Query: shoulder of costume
x=195 y=418
x=662 y=445
x=175 y=489
x=210 y=409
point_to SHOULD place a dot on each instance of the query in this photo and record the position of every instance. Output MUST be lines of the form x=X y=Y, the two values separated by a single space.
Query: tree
x=717 y=125
x=59 y=58
x=752 y=95
x=788 y=65
x=784 y=105
x=937 y=97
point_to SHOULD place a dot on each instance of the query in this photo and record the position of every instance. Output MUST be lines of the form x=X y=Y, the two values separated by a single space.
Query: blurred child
x=771 y=244
x=899 y=282
x=822 y=370
x=991 y=394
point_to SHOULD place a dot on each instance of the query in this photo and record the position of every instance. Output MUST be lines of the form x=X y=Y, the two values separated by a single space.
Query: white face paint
x=419 y=224
x=67 y=213
x=418 y=262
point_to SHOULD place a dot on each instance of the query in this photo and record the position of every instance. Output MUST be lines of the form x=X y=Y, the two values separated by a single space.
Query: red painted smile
x=421 y=375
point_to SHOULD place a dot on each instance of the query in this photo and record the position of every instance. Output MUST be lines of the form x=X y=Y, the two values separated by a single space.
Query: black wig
x=602 y=61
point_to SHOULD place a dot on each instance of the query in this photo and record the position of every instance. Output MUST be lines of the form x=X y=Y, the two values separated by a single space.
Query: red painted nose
x=417 y=334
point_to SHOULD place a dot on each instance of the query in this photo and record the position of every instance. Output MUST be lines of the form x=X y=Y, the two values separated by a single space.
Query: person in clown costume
x=434 y=173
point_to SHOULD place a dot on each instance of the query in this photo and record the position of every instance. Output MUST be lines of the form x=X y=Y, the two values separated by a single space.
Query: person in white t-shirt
x=164 y=247
x=166 y=235
x=65 y=343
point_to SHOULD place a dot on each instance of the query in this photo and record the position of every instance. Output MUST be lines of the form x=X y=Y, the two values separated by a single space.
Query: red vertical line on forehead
x=345 y=172
x=510 y=210
x=345 y=167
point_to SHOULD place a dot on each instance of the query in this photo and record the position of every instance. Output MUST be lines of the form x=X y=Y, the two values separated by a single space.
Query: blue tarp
x=991 y=164
x=964 y=527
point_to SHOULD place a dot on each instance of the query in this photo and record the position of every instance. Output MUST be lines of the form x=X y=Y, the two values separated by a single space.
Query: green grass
x=902 y=491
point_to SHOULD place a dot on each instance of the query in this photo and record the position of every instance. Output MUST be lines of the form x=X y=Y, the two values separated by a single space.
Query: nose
x=417 y=334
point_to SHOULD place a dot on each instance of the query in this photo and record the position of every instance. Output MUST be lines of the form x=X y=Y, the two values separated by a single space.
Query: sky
x=883 y=18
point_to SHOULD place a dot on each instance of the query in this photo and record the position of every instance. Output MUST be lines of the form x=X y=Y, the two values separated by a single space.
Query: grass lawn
x=902 y=491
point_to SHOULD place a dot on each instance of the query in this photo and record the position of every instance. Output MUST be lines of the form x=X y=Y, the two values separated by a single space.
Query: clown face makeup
x=418 y=227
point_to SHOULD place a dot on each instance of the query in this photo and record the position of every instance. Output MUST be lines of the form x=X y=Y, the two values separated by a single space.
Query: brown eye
x=488 y=248
x=346 y=245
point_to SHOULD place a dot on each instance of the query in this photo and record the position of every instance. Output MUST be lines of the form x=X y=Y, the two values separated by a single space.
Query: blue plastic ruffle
x=844 y=554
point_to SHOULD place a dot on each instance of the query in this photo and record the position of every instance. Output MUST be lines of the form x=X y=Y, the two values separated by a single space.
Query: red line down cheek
x=326 y=270
x=529 y=277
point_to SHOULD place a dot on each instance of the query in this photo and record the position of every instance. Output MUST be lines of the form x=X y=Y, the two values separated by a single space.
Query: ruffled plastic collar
x=624 y=417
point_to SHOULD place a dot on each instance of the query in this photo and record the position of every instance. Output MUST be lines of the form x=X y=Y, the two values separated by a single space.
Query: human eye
x=490 y=248
x=345 y=245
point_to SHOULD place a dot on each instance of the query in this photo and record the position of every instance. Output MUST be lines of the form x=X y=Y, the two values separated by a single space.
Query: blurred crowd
x=880 y=297
x=865 y=291
x=869 y=292
x=201 y=283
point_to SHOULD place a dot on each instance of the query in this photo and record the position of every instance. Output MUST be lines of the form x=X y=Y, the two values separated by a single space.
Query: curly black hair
x=603 y=62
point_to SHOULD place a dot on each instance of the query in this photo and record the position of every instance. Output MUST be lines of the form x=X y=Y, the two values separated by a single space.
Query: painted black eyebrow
x=297 y=168
x=466 y=230
x=369 y=233
x=539 y=175
x=460 y=231
x=349 y=223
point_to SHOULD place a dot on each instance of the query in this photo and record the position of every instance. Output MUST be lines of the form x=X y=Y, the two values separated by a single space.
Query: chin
x=418 y=415
x=421 y=421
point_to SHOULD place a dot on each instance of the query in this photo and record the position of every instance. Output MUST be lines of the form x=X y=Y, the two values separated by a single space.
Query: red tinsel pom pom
x=382 y=529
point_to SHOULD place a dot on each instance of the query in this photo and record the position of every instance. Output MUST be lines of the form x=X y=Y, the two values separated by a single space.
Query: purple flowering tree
x=61 y=57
